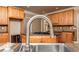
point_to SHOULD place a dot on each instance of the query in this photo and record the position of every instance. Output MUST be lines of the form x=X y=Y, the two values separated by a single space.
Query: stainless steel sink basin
x=45 y=48
x=55 y=47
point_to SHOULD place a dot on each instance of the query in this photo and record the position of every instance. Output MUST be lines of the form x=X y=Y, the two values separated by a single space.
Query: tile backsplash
x=65 y=28
x=3 y=29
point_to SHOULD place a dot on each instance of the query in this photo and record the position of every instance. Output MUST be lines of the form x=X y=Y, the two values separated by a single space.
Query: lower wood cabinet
x=39 y=39
x=48 y=39
x=35 y=40
x=3 y=38
x=32 y=39
x=69 y=37
x=65 y=37
x=23 y=38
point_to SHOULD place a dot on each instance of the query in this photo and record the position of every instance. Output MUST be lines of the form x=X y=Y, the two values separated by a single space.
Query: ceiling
x=44 y=9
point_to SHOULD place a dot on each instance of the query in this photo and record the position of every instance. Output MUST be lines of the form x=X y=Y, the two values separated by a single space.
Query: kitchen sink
x=45 y=48
x=40 y=47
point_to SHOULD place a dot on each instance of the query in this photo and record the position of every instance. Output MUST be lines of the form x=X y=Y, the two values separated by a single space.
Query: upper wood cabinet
x=14 y=12
x=54 y=18
x=21 y=13
x=62 y=18
x=69 y=17
x=3 y=16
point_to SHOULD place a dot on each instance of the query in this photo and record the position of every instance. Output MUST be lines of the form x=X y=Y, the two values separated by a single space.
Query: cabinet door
x=67 y=37
x=55 y=20
x=50 y=17
x=3 y=38
x=69 y=17
x=61 y=18
x=23 y=38
x=63 y=37
x=13 y=12
x=21 y=14
x=3 y=16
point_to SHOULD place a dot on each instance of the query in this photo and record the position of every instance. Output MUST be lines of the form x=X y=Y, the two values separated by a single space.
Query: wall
x=76 y=22
x=36 y=25
x=44 y=25
x=28 y=15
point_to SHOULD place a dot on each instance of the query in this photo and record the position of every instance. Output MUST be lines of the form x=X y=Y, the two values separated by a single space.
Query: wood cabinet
x=54 y=19
x=69 y=17
x=39 y=39
x=62 y=18
x=23 y=38
x=22 y=27
x=50 y=17
x=48 y=40
x=21 y=13
x=3 y=16
x=17 y=14
x=69 y=37
x=14 y=12
x=4 y=38
x=65 y=37
x=35 y=40
x=11 y=12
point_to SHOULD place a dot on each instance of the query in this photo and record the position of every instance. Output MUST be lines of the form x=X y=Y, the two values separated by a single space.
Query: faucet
x=29 y=24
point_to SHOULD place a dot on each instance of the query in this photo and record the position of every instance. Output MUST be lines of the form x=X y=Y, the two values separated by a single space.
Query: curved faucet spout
x=29 y=24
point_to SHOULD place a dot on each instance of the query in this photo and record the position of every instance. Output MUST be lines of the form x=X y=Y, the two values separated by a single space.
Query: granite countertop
x=73 y=47
x=9 y=47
